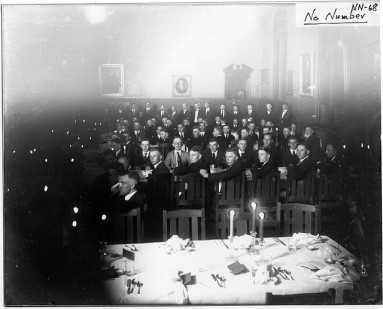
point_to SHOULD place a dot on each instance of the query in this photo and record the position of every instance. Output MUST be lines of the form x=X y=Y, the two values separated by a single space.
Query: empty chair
x=189 y=191
x=186 y=223
x=301 y=191
x=242 y=223
x=300 y=218
x=331 y=208
x=127 y=227
x=265 y=193
x=324 y=298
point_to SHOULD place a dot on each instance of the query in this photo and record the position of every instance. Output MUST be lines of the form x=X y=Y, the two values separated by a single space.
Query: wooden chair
x=184 y=223
x=242 y=222
x=300 y=218
x=189 y=191
x=160 y=194
x=265 y=193
x=301 y=191
x=331 y=208
x=127 y=228
x=229 y=194
x=324 y=298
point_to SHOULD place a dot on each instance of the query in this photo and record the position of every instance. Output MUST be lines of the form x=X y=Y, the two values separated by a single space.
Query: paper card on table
x=186 y=278
x=128 y=254
x=236 y=268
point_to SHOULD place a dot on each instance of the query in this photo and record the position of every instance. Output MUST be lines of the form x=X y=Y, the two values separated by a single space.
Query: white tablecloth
x=158 y=272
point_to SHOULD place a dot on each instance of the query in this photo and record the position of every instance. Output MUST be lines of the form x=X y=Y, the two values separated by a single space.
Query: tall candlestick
x=232 y=212
x=262 y=216
x=254 y=206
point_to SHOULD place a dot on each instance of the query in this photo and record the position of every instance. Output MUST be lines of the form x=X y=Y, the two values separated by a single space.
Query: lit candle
x=368 y=146
x=46 y=160
x=72 y=160
x=361 y=145
x=254 y=206
x=46 y=188
x=74 y=223
x=262 y=216
x=344 y=146
x=232 y=212
x=75 y=210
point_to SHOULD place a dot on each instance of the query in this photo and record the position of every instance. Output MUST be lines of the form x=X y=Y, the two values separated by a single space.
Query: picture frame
x=111 y=79
x=307 y=74
x=181 y=85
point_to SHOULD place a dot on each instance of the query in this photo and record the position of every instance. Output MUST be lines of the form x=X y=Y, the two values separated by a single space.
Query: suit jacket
x=192 y=168
x=245 y=159
x=312 y=144
x=227 y=141
x=175 y=117
x=205 y=140
x=184 y=115
x=238 y=116
x=209 y=116
x=262 y=169
x=120 y=205
x=286 y=120
x=301 y=169
x=161 y=169
x=231 y=172
x=219 y=161
x=170 y=160
x=191 y=142
x=130 y=150
x=227 y=116
x=199 y=114
x=132 y=114
x=269 y=117
x=140 y=161
x=288 y=158
x=273 y=157
x=148 y=114
x=159 y=117
x=137 y=138
x=254 y=115
x=221 y=142
x=331 y=166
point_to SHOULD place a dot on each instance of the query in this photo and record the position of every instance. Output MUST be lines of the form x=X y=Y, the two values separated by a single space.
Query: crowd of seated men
x=217 y=144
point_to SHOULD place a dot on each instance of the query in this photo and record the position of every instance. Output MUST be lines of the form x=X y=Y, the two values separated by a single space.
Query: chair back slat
x=184 y=223
x=231 y=192
x=301 y=191
x=328 y=188
x=300 y=218
x=127 y=227
x=160 y=188
x=189 y=190
x=242 y=221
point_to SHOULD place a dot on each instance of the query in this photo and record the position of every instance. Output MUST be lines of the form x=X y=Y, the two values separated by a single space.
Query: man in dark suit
x=142 y=159
x=305 y=165
x=312 y=142
x=121 y=113
x=234 y=168
x=196 y=163
x=148 y=112
x=181 y=132
x=161 y=113
x=174 y=115
x=208 y=114
x=244 y=155
x=250 y=113
x=204 y=134
x=195 y=140
x=285 y=118
x=289 y=156
x=333 y=163
x=149 y=130
x=269 y=114
x=132 y=112
x=158 y=166
x=237 y=114
x=137 y=133
x=127 y=197
x=196 y=113
x=128 y=147
x=213 y=155
x=227 y=137
x=224 y=114
x=185 y=113
x=263 y=168
x=217 y=134
x=267 y=143
x=116 y=147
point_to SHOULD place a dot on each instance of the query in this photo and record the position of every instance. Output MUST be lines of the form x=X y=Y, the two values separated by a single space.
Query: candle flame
x=103 y=217
x=74 y=223
x=232 y=212
x=72 y=160
x=262 y=215
x=253 y=205
x=75 y=210
x=46 y=188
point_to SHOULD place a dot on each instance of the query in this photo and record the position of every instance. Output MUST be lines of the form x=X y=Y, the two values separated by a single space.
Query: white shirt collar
x=128 y=196
x=333 y=158
x=303 y=159
x=155 y=165
x=265 y=162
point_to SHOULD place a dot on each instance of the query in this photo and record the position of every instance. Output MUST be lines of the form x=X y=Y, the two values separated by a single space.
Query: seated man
x=124 y=160
x=304 y=166
x=177 y=157
x=243 y=153
x=263 y=168
x=142 y=159
x=128 y=197
x=234 y=168
x=332 y=164
x=196 y=139
x=157 y=165
x=289 y=156
x=213 y=155
x=196 y=162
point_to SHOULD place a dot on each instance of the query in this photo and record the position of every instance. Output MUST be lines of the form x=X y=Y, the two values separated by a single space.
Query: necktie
x=202 y=134
x=242 y=155
x=222 y=114
x=212 y=161
x=133 y=111
x=145 y=155
x=293 y=152
x=178 y=159
x=162 y=113
x=226 y=136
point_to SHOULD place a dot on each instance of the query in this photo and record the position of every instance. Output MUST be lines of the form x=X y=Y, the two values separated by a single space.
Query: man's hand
x=249 y=175
x=204 y=173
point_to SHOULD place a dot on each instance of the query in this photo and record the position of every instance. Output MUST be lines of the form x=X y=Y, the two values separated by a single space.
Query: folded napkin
x=336 y=274
x=265 y=274
x=308 y=238
x=175 y=244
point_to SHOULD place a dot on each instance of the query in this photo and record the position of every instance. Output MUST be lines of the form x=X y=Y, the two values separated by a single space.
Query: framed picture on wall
x=111 y=79
x=307 y=74
x=181 y=85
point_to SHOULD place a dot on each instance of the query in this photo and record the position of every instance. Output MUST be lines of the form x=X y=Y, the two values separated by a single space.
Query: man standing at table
x=305 y=165
x=177 y=157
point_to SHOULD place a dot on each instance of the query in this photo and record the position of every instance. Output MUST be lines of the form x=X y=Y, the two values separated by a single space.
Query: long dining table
x=160 y=273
